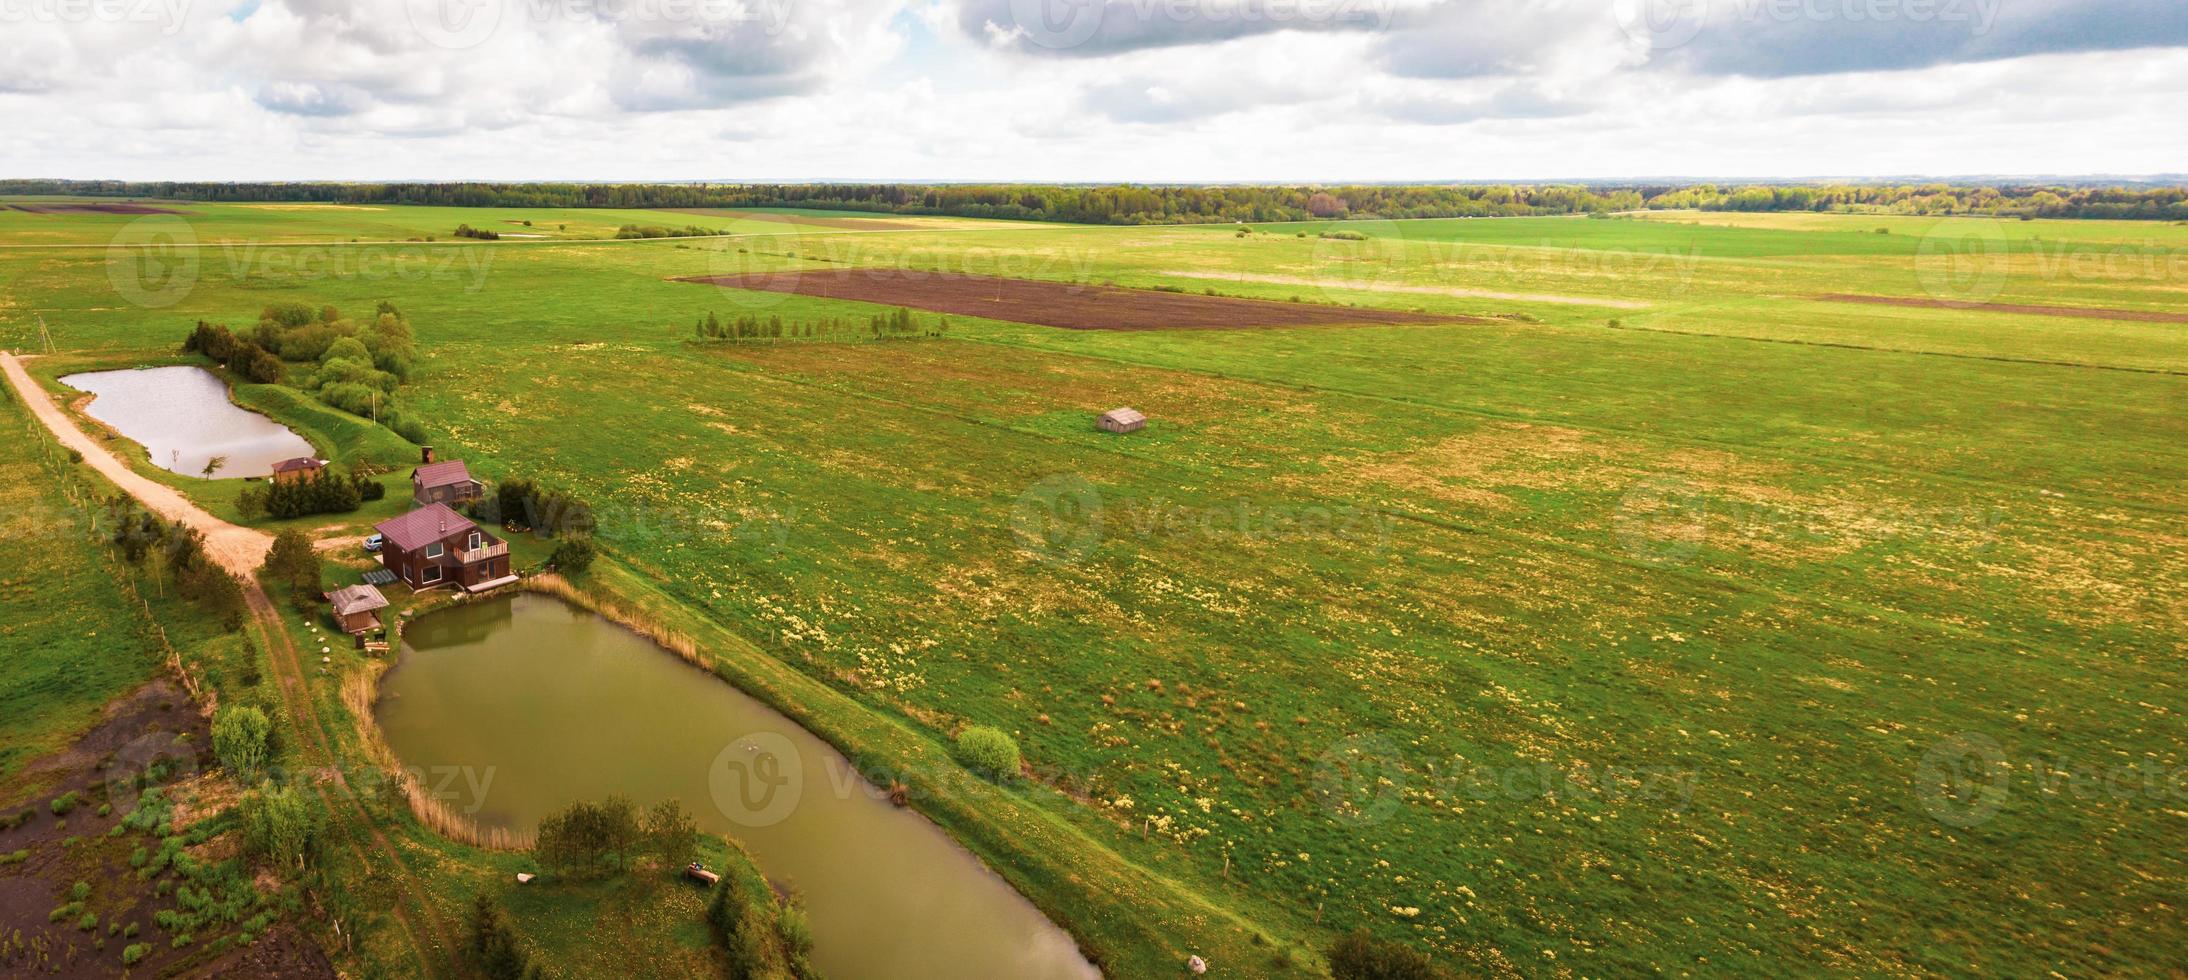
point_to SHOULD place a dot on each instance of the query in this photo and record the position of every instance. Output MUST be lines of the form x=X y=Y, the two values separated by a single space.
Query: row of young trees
x=1175 y=204
x=333 y=491
x=898 y=323
x=594 y=839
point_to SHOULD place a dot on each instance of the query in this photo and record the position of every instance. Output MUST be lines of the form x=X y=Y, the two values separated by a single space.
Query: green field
x=1631 y=631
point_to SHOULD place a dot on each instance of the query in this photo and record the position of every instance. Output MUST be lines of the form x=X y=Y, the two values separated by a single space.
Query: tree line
x=1180 y=204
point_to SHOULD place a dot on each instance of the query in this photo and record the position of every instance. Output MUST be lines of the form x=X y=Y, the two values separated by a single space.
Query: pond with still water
x=182 y=417
x=537 y=704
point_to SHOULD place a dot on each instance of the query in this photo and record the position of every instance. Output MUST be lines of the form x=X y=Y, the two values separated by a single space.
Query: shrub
x=89 y=922
x=493 y=946
x=134 y=952
x=574 y=555
x=989 y=750
x=64 y=803
x=1360 y=956
x=240 y=739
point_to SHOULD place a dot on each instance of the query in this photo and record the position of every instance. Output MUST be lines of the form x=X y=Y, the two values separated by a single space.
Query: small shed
x=357 y=607
x=1121 y=420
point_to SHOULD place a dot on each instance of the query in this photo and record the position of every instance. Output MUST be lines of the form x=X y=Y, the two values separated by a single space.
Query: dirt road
x=240 y=550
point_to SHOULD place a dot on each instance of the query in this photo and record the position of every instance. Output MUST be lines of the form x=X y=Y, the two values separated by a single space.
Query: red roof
x=421 y=527
x=446 y=474
x=299 y=463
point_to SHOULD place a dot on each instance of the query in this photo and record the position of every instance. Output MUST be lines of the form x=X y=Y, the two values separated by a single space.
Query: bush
x=989 y=750
x=1360 y=956
x=64 y=803
x=493 y=946
x=573 y=556
x=134 y=952
x=240 y=740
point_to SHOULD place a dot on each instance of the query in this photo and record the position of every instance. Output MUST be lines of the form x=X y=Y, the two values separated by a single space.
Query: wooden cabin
x=357 y=608
x=446 y=482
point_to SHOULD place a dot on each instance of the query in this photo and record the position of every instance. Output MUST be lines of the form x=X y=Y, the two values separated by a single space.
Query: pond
x=182 y=417
x=519 y=706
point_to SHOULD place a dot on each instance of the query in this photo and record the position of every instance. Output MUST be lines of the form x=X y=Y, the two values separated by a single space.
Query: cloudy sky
x=1156 y=90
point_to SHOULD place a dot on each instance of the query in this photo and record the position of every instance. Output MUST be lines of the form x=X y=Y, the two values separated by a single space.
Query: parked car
x=374 y=542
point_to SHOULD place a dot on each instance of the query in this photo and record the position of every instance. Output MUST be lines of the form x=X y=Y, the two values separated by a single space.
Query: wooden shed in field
x=1121 y=420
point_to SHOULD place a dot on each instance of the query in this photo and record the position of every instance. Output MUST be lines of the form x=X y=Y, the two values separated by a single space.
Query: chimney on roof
x=425 y=454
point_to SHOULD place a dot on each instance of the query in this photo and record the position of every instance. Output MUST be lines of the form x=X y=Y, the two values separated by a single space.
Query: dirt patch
x=2087 y=312
x=71 y=207
x=154 y=724
x=1392 y=287
x=1071 y=306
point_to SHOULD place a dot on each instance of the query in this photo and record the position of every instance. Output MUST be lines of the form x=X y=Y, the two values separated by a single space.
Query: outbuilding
x=300 y=468
x=1121 y=420
x=357 y=608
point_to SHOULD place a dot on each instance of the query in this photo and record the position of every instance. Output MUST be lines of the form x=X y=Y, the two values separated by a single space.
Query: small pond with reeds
x=534 y=704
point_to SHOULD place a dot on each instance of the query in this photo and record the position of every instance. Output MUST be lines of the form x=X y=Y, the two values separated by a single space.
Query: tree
x=1359 y=956
x=589 y=838
x=671 y=834
x=293 y=564
x=251 y=504
x=493 y=945
x=213 y=466
x=280 y=824
x=240 y=740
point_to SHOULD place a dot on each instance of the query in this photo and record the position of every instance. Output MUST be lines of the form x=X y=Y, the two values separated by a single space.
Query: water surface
x=523 y=705
x=182 y=417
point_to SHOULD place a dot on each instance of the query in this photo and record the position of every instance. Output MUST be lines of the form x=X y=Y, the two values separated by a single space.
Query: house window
x=474 y=545
x=432 y=573
x=435 y=550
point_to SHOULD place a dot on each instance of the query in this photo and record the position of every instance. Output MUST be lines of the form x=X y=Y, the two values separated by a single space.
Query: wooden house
x=435 y=546
x=447 y=482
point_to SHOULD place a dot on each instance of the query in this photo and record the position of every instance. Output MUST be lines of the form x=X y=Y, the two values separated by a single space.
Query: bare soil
x=145 y=726
x=1070 y=306
x=2090 y=312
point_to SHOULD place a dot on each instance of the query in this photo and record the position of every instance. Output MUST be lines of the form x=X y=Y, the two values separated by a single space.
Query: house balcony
x=474 y=556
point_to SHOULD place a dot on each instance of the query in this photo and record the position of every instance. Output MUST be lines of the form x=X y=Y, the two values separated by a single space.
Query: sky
x=1089 y=90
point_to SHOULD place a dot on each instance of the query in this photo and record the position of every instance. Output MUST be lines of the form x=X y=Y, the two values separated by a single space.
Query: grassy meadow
x=1677 y=620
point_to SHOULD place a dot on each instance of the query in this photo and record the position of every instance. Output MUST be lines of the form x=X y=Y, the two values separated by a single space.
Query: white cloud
x=939 y=89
